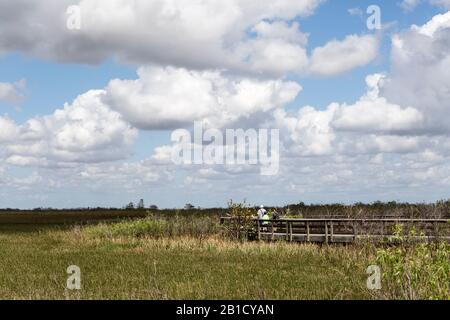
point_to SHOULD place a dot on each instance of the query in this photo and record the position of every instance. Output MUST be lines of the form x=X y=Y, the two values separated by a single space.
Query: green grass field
x=34 y=262
x=174 y=258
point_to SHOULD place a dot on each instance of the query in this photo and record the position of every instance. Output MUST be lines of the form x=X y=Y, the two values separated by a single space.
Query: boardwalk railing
x=332 y=230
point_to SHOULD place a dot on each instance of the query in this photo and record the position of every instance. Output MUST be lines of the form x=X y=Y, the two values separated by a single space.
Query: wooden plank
x=347 y=238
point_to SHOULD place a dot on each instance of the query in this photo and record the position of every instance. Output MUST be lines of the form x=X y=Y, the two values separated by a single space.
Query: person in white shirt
x=261 y=212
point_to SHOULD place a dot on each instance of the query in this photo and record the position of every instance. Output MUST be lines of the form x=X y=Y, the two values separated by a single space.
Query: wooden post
x=290 y=231
x=308 y=238
x=258 y=226
x=287 y=230
x=239 y=233
x=326 y=231
x=273 y=235
x=331 y=229
x=436 y=230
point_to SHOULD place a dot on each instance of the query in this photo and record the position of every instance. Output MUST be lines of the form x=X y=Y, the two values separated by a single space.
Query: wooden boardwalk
x=333 y=230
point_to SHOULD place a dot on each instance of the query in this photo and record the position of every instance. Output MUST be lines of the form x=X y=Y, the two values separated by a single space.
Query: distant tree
x=130 y=206
x=153 y=207
x=188 y=206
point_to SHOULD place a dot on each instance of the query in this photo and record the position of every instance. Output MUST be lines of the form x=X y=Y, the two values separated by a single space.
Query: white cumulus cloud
x=84 y=131
x=169 y=98
x=12 y=92
x=337 y=57
x=198 y=34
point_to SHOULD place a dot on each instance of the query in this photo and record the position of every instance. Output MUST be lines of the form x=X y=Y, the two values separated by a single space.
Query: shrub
x=158 y=226
x=413 y=270
x=241 y=223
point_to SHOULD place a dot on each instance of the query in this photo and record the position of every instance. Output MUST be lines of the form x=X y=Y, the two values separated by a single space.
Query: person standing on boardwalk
x=265 y=221
x=261 y=212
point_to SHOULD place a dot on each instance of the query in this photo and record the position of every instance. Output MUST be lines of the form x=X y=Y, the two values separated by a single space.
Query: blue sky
x=61 y=178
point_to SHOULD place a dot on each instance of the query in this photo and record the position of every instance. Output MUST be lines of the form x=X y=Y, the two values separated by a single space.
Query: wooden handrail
x=347 y=220
x=331 y=230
